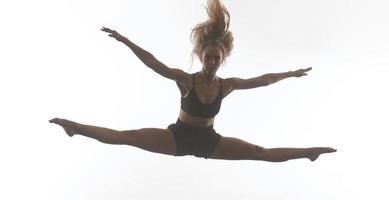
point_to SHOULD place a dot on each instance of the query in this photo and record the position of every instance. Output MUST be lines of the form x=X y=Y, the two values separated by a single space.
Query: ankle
x=78 y=128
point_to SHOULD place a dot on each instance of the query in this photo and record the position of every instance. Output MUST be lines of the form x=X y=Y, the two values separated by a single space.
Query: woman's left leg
x=236 y=149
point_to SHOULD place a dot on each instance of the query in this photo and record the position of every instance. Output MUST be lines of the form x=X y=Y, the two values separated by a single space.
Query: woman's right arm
x=149 y=60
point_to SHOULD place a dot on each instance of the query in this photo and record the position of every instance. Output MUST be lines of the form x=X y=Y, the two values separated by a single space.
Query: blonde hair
x=213 y=31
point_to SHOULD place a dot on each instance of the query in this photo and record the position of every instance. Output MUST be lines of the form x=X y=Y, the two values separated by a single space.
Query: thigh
x=153 y=139
x=230 y=148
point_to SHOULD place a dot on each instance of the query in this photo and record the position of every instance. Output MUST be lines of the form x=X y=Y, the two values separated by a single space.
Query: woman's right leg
x=150 y=139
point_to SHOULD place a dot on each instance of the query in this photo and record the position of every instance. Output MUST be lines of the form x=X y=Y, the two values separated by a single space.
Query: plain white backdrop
x=55 y=62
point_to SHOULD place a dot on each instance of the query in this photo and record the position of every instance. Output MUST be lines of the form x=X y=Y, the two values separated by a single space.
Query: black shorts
x=192 y=140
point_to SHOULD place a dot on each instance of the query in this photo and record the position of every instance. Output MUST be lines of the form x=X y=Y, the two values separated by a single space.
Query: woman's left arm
x=264 y=80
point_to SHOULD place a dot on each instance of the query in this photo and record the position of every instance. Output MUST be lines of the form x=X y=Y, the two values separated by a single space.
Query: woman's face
x=211 y=58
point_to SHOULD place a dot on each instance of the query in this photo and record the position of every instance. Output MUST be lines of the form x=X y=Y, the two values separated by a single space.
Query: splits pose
x=201 y=97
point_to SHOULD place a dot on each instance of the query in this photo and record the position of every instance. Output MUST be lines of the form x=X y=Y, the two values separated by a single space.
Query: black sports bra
x=192 y=105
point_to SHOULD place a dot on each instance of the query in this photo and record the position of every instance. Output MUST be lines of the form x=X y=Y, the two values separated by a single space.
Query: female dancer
x=201 y=97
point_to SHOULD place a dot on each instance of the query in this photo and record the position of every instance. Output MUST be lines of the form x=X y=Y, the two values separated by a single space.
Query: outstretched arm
x=148 y=59
x=264 y=80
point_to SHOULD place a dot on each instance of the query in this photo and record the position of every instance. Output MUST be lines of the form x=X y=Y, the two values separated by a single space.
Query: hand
x=114 y=34
x=301 y=72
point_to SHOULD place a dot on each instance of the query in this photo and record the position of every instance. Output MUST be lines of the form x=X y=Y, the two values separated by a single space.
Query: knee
x=129 y=136
x=130 y=132
x=258 y=153
x=259 y=149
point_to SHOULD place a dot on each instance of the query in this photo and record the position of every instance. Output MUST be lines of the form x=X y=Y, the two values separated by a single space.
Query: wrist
x=290 y=74
x=124 y=39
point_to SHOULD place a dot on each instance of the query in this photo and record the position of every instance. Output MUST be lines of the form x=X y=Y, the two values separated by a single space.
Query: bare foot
x=316 y=151
x=69 y=126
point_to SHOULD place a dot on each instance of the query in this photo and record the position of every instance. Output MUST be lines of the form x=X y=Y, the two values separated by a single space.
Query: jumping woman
x=201 y=96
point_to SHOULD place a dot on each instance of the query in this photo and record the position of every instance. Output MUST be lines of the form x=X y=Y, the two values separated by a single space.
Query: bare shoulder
x=183 y=80
x=228 y=85
x=179 y=75
x=230 y=82
x=241 y=83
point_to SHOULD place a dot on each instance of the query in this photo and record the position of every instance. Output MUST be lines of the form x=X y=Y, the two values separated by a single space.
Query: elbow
x=150 y=61
x=147 y=58
x=264 y=82
x=267 y=80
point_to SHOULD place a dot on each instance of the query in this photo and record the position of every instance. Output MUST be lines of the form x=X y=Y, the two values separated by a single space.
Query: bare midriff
x=195 y=121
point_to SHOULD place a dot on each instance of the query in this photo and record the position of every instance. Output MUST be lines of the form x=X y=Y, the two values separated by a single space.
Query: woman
x=201 y=97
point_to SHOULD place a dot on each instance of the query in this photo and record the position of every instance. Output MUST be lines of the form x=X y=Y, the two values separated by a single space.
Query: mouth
x=212 y=67
x=211 y=70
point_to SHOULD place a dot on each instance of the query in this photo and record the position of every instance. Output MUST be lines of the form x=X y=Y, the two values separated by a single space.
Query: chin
x=210 y=72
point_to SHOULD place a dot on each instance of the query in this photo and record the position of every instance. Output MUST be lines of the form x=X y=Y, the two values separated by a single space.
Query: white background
x=55 y=62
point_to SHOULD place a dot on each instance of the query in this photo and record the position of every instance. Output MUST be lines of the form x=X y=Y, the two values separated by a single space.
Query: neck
x=208 y=78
